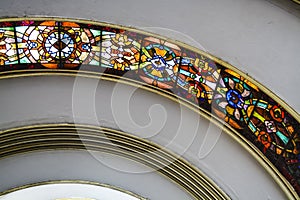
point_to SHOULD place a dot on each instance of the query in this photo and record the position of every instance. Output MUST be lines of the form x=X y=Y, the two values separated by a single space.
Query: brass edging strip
x=73 y=146
x=10 y=136
x=182 y=44
x=140 y=146
x=72 y=182
x=296 y=1
x=257 y=154
x=46 y=138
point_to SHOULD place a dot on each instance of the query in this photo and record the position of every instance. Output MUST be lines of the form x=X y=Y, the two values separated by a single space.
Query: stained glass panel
x=197 y=79
x=8 y=46
x=120 y=51
x=79 y=45
x=39 y=44
x=203 y=81
x=159 y=62
x=234 y=99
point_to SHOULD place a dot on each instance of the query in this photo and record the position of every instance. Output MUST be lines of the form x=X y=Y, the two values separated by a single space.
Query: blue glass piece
x=234 y=98
x=282 y=137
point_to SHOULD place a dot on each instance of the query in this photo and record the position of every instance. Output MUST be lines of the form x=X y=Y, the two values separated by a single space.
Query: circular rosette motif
x=272 y=119
x=277 y=113
x=265 y=139
x=79 y=46
x=159 y=66
x=234 y=101
x=52 y=45
x=121 y=52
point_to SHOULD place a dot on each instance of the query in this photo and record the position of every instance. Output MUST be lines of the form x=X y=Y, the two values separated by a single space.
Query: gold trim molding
x=72 y=182
x=254 y=116
x=99 y=139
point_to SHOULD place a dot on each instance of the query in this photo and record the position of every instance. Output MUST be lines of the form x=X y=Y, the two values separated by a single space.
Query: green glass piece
x=282 y=137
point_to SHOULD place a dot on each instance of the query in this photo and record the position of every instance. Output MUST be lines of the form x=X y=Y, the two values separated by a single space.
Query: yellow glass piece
x=235 y=74
x=250 y=110
x=239 y=87
x=156 y=73
x=258 y=116
x=161 y=52
x=229 y=110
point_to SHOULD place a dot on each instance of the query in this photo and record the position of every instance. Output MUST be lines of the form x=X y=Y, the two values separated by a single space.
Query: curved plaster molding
x=99 y=139
x=69 y=190
x=252 y=114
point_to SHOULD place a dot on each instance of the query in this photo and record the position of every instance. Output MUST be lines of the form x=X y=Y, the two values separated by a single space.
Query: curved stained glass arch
x=250 y=111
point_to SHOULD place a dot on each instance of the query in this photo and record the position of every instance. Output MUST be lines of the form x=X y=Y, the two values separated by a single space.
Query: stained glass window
x=119 y=51
x=202 y=81
x=79 y=45
x=8 y=47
